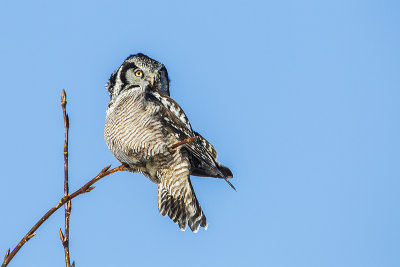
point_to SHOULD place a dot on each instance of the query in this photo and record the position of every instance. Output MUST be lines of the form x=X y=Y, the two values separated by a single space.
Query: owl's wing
x=208 y=146
x=175 y=121
x=202 y=154
x=177 y=198
x=200 y=169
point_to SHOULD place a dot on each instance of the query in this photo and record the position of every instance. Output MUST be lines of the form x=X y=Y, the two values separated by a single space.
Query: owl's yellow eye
x=139 y=73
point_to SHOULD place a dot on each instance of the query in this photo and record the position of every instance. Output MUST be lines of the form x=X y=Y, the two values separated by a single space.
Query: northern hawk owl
x=148 y=132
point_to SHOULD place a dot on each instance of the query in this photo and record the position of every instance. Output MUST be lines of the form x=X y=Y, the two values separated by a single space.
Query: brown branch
x=65 y=237
x=185 y=141
x=84 y=189
x=7 y=253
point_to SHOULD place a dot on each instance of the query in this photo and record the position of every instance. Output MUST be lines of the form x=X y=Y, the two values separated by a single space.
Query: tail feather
x=176 y=197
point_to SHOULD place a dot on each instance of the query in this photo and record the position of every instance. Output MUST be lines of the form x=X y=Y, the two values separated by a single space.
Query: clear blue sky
x=300 y=98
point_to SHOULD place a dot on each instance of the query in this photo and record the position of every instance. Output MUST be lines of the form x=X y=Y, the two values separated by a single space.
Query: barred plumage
x=142 y=124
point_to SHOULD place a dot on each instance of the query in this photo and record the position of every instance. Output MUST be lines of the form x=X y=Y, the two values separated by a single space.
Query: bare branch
x=66 y=200
x=65 y=239
x=185 y=141
x=103 y=173
x=7 y=253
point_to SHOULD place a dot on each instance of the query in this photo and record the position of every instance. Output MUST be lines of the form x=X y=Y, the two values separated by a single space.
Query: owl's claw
x=185 y=141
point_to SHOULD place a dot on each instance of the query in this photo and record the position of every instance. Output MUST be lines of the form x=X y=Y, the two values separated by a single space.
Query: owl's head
x=139 y=70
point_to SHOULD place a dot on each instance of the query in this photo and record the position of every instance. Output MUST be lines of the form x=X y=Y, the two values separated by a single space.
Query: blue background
x=300 y=98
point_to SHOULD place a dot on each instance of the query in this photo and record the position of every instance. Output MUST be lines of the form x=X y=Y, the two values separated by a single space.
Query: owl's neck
x=135 y=94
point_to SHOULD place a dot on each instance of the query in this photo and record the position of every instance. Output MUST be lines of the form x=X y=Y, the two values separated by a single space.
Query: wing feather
x=202 y=154
x=175 y=121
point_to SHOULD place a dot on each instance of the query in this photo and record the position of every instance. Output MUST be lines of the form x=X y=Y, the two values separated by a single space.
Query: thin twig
x=185 y=141
x=7 y=253
x=65 y=237
x=84 y=189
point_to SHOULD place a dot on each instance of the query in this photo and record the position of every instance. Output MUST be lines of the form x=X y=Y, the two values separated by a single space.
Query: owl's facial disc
x=141 y=76
x=139 y=71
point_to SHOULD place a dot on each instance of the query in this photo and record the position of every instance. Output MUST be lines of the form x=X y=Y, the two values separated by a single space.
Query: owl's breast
x=132 y=133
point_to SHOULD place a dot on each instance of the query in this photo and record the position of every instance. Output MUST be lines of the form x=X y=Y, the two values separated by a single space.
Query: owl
x=149 y=133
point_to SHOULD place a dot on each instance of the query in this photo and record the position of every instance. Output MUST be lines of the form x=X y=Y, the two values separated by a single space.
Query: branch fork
x=65 y=200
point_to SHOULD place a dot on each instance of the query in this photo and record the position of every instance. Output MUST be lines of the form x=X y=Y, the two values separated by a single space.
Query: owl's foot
x=185 y=141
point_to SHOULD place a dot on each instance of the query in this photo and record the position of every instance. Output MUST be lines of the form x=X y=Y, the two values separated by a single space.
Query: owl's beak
x=152 y=80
